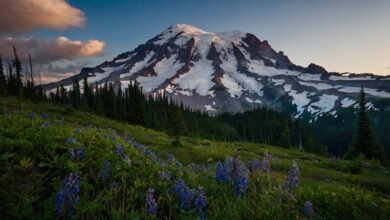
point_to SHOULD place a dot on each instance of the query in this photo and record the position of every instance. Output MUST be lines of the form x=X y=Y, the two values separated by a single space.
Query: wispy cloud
x=45 y=51
x=20 y=16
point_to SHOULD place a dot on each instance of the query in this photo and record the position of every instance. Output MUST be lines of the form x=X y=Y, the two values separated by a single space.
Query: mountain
x=233 y=71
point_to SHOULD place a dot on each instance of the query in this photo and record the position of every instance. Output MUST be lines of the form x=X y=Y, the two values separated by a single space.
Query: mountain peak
x=177 y=28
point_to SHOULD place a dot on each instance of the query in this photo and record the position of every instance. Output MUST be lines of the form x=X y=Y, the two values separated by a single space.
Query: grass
x=34 y=160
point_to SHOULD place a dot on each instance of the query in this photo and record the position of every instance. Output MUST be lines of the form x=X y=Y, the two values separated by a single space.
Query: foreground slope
x=35 y=157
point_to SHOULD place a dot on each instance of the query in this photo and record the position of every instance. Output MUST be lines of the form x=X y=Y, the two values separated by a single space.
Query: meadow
x=57 y=162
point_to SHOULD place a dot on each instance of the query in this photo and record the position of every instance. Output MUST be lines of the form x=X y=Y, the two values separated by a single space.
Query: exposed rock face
x=232 y=71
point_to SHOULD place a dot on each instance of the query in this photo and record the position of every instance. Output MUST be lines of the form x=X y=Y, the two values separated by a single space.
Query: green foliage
x=35 y=159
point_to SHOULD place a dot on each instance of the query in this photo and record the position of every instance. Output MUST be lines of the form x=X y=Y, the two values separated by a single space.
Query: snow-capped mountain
x=232 y=71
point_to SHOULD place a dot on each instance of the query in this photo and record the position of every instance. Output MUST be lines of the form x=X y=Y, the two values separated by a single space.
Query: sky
x=63 y=36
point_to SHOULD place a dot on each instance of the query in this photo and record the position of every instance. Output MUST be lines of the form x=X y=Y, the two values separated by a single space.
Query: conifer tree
x=18 y=72
x=285 y=138
x=3 y=82
x=366 y=142
x=75 y=97
x=178 y=127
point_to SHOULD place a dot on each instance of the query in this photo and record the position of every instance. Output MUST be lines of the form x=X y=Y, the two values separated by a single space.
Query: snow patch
x=165 y=69
x=346 y=102
x=325 y=104
x=139 y=65
x=209 y=108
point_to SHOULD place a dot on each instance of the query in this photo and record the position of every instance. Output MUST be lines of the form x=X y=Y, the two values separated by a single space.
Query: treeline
x=159 y=112
x=264 y=125
x=133 y=106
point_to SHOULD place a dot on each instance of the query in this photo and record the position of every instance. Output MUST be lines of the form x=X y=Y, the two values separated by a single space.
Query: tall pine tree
x=366 y=142
x=3 y=82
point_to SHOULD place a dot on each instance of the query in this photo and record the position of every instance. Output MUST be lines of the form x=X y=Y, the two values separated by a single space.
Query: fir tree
x=178 y=127
x=75 y=95
x=285 y=138
x=366 y=142
x=18 y=72
x=3 y=82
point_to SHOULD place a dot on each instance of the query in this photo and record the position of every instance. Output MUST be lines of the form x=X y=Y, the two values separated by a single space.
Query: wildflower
x=200 y=204
x=292 y=179
x=254 y=165
x=265 y=166
x=68 y=195
x=239 y=168
x=307 y=209
x=185 y=195
x=78 y=131
x=72 y=154
x=127 y=160
x=119 y=150
x=45 y=124
x=105 y=172
x=114 y=185
x=228 y=163
x=44 y=116
x=240 y=185
x=32 y=115
x=80 y=153
x=222 y=173
x=71 y=141
x=127 y=137
x=162 y=175
x=150 y=202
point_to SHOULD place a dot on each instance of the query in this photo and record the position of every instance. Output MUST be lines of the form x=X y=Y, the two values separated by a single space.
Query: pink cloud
x=19 y=16
x=45 y=51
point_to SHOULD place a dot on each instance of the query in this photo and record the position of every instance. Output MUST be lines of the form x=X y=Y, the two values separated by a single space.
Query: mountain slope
x=232 y=71
x=36 y=158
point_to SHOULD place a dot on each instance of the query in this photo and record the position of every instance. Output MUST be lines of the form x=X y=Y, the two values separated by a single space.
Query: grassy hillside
x=36 y=157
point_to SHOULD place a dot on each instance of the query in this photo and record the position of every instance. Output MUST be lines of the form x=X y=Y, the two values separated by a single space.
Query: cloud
x=68 y=68
x=19 y=16
x=45 y=51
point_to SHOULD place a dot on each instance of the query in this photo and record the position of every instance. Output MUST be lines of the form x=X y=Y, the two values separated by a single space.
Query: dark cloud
x=19 y=16
x=45 y=51
x=70 y=68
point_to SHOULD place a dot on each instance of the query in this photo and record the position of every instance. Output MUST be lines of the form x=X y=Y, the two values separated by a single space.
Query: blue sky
x=348 y=35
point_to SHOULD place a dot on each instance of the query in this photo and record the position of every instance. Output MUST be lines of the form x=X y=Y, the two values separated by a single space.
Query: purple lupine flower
x=240 y=185
x=200 y=204
x=71 y=141
x=80 y=153
x=127 y=137
x=72 y=154
x=32 y=115
x=240 y=177
x=185 y=195
x=293 y=178
x=45 y=124
x=119 y=150
x=69 y=195
x=222 y=173
x=44 y=116
x=253 y=165
x=265 y=166
x=150 y=202
x=229 y=164
x=239 y=168
x=307 y=209
x=105 y=172
x=162 y=175
x=114 y=185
